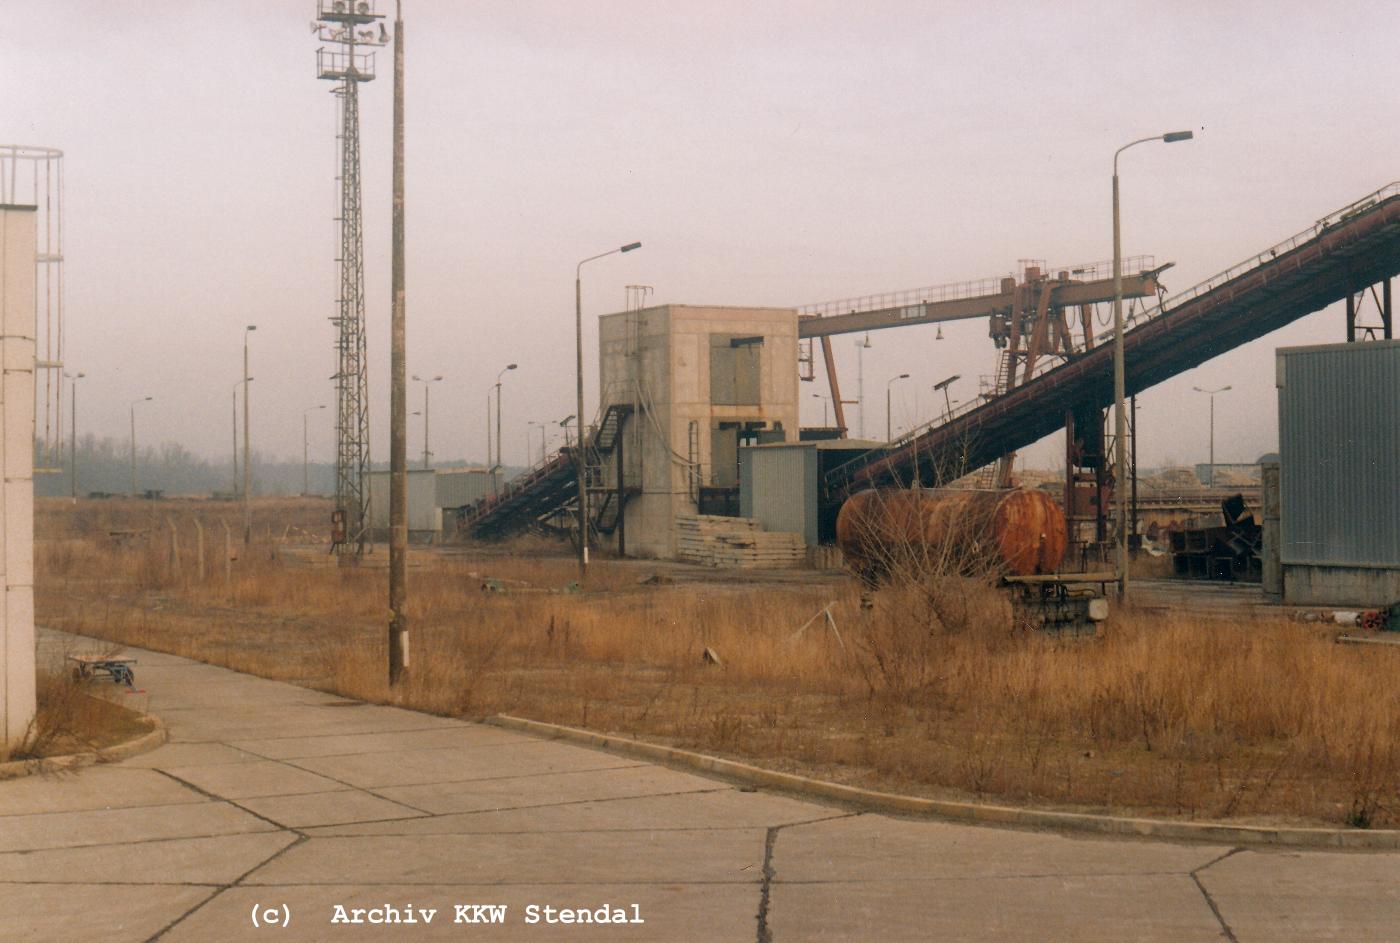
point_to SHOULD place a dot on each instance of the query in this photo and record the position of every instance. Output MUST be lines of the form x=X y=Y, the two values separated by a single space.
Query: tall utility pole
x=889 y=431
x=861 y=348
x=234 y=394
x=73 y=432
x=306 y=451
x=427 y=452
x=1211 y=393
x=580 y=453
x=134 y=403
x=247 y=451
x=347 y=26
x=235 y=438
x=506 y=369
x=398 y=396
x=1120 y=416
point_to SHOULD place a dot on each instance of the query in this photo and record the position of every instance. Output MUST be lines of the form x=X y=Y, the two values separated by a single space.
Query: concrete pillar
x=17 y=261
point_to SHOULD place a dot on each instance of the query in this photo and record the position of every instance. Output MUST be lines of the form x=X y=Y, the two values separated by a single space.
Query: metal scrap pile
x=1220 y=551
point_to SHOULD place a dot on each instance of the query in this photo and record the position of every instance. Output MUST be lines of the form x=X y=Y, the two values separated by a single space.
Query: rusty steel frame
x=1356 y=247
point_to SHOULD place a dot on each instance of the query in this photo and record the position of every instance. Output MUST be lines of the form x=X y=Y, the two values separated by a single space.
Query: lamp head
x=630 y=246
x=251 y=327
x=1171 y=137
x=902 y=376
x=509 y=366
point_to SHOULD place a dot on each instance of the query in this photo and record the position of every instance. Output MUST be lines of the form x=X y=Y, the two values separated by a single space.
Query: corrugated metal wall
x=779 y=489
x=422 y=511
x=1339 y=443
x=460 y=486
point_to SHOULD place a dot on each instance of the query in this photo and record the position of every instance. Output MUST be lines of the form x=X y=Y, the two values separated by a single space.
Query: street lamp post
x=305 y=454
x=564 y=424
x=426 y=384
x=247 y=453
x=861 y=348
x=504 y=370
x=543 y=448
x=943 y=385
x=234 y=396
x=826 y=421
x=578 y=455
x=1211 y=393
x=1120 y=416
x=889 y=437
x=144 y=399
x=73 y=431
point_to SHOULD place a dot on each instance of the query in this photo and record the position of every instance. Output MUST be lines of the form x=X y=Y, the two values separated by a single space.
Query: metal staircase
x=550 y=488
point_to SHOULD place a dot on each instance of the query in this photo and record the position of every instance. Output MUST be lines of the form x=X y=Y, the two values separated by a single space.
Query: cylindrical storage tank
x=1019 y=532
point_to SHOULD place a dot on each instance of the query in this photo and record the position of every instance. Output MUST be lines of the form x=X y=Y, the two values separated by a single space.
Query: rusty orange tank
x=1019 y=532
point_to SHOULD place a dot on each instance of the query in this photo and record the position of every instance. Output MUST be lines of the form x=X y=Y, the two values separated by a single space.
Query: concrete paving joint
x=974 y=812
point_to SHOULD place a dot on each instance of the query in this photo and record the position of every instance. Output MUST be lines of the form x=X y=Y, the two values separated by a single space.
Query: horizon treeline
x=104 y=466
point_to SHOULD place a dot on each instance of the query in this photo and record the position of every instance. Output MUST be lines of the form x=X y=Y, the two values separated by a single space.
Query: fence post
x=198 y=548
x=174 y=546
x=228 y=552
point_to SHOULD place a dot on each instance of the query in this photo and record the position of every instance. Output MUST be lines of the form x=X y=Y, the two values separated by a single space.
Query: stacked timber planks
x=736 y=542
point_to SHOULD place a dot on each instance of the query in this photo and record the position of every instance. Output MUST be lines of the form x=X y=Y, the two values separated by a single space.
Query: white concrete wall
x=17 y=249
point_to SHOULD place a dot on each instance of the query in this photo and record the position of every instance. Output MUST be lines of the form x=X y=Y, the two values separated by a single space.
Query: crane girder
x=1065 y=292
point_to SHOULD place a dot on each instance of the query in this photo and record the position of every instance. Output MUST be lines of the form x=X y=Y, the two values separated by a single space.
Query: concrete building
x=688 y=386
x=1339 y=436
x=17 y=348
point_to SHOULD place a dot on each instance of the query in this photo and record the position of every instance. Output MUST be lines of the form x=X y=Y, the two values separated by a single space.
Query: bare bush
x=930 y=690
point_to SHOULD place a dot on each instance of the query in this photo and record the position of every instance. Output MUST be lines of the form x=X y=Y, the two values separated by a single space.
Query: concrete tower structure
x=17 y=347
x=700 y=382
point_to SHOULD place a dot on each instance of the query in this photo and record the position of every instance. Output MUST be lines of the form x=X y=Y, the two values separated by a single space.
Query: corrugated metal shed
x=456 y=487
x=778 y=488
x=1339 y=439
x=423 y=515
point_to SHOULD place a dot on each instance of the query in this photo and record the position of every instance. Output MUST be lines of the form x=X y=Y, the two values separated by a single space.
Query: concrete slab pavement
x=275 y=797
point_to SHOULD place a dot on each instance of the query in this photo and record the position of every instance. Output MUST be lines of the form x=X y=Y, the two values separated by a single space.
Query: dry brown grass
x=1259 y=721
x=71 y=719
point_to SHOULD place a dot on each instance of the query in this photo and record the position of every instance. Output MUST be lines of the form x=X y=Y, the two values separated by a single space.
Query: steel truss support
x=1357 y=300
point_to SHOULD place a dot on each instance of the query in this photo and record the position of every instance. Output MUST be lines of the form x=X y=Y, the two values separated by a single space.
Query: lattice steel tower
x=347 y=25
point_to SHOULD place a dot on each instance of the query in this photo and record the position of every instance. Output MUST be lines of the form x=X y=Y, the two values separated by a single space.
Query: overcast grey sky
x=766 y=154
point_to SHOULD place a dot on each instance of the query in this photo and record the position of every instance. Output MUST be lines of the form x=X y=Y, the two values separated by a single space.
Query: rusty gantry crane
x=1033 y=321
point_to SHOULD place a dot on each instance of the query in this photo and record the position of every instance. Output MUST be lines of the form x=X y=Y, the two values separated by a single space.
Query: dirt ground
x=1172 y=710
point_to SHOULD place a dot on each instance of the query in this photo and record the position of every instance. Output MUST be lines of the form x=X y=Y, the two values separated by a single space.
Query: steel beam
x=1062 y=294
